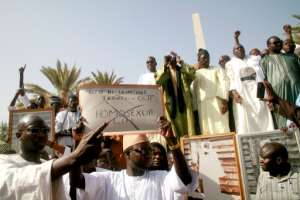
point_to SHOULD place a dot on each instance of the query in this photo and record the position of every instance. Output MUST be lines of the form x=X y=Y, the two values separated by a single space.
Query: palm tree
x=63 y=79
x=106 y=78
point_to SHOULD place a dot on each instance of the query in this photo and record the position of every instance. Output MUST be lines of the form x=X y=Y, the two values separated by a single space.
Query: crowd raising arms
x=237 y=79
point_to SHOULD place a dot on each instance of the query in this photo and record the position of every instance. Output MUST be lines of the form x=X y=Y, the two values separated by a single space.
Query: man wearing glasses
x=283 y=72
x=148 y=78
x=26 y=176
x=136 y=181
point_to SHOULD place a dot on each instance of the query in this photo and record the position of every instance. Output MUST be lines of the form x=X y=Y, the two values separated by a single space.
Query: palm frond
x=296 y=16
x=86 y=80
x=36 y=89
x=62 y=78
x=106 y=78
x=73 y=76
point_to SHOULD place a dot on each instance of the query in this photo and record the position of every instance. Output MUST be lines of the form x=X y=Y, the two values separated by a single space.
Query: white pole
x=199 y=36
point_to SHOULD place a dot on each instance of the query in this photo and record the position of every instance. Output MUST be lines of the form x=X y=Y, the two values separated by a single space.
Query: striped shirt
x=272 y=188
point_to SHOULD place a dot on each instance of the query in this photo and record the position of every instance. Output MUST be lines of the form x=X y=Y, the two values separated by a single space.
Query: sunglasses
x=143 y=151
x=38 y=130
x=276 y=42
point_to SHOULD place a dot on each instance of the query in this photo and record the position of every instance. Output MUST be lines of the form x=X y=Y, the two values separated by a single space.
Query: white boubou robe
x=158 y=185
x=252 y=115
x=21 y=179
x=209 y=87
x=147 y=79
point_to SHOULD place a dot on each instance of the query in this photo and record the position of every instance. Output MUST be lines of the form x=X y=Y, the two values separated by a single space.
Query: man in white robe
x=136 y=182
x=250 y=113
x=66 y=120
x=211 y=93
x=148 y=78
x=26 y=176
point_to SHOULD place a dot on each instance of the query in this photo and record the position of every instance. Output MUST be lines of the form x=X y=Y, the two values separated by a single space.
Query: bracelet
x=174 y=147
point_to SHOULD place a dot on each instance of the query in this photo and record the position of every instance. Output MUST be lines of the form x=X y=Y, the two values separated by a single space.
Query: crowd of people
x=246 y=93
x=203 y=99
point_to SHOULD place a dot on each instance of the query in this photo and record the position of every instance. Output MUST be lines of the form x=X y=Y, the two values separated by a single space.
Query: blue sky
x=119 y=35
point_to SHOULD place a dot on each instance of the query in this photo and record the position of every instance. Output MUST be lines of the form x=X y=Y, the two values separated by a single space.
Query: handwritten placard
x=128 y=108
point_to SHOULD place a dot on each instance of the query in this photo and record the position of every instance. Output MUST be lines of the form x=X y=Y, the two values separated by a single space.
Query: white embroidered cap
x=130 y=140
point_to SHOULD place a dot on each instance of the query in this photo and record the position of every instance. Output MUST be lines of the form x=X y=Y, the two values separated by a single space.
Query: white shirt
x=21 y=179
x=66 y=120
x=147 y=79
x=254 y=62
x=153 y=185
x=272 y=188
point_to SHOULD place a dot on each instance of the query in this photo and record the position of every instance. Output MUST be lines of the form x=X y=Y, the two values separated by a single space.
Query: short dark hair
x=202 y=51
x=163 y=151
x=278 y=150
x=272 y=37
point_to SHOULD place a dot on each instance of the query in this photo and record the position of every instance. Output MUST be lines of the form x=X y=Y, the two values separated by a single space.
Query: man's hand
x=287 y=29
x=271 y=106
x=236 y=97
x=22 y=69
x=178 y=59
x=224 y=106
x=167 y=132
x=180 y=165
x=77 y=132
x=167 y=61
x=89 y=146
x=237 y=34
x=272 y=96
x=165 y=127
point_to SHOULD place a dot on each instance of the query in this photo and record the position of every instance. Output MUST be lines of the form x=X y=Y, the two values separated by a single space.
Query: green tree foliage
x=106 y=78
x=63 y=78
x=296 y=30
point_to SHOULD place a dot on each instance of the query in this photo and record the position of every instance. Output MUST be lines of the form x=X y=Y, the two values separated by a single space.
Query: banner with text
x=128 y=108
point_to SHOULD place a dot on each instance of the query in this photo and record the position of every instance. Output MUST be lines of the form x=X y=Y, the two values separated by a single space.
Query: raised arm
x=13 y=101
x=163 y=74
x=236 y=37
x=87 y=150
x=288 y=30
x=186 y=69
x=285 y=108
x=21 y=71
x=180 y=164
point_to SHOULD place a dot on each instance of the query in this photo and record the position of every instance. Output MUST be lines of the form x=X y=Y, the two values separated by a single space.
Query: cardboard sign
x=249 y=146
x=129 y=109
x=215 y=159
